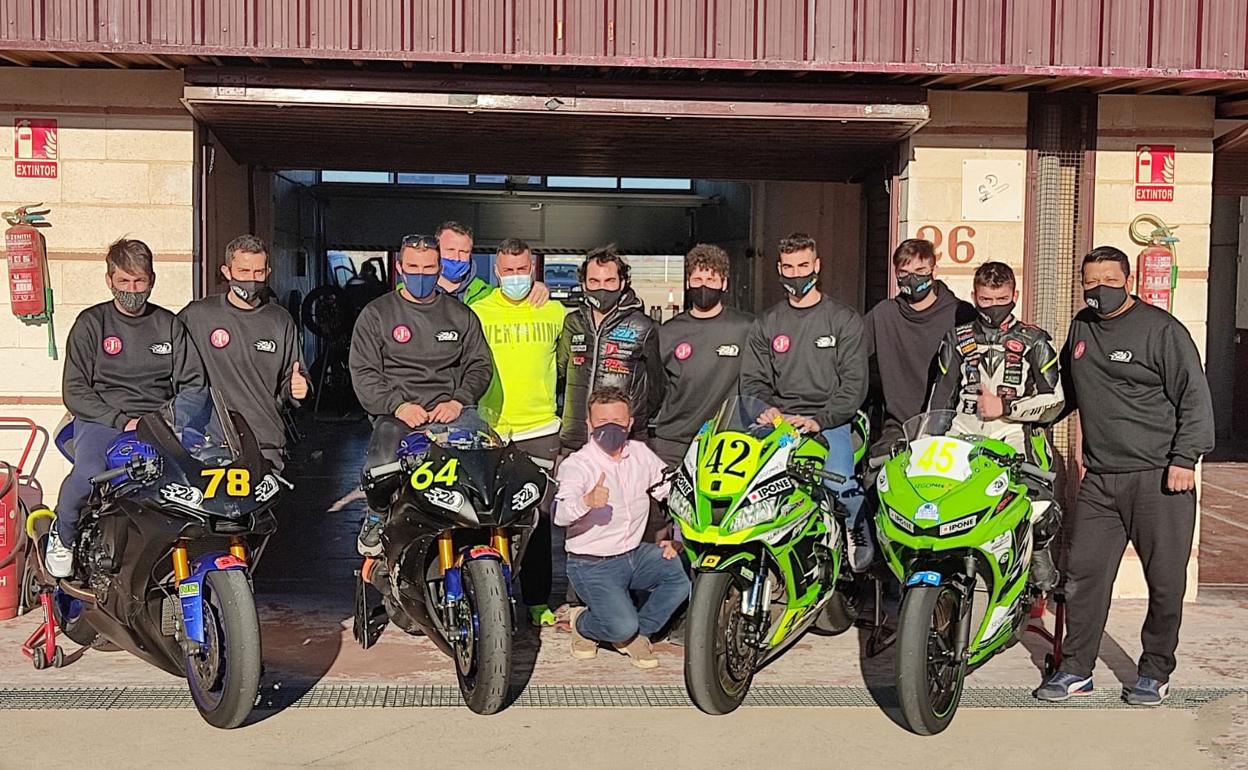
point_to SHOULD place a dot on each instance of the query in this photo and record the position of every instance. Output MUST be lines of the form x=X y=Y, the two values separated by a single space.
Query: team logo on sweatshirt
x=780 y=343
x=219 y=338
x=1121 y=356
x=683 y=351
x=161 y=349
x=401 y=333
x=728 y=351
x=448 y=336
x=1080 y=346
x=826 y=341
x=111 y=345
x=266 y=346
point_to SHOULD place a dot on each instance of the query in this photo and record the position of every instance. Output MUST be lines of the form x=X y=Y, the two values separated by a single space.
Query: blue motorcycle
x=162 y=562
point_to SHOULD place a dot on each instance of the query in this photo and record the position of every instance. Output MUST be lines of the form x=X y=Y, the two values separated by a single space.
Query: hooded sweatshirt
x=901 y=345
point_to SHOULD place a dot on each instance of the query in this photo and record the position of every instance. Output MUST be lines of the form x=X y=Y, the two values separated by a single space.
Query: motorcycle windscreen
x=211 y=463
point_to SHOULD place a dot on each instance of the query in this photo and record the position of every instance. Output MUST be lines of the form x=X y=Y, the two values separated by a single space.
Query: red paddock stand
x=1052 y=660
x=41 y=646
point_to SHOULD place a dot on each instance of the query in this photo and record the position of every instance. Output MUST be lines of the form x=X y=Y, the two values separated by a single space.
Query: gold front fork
x=238 y=548
x=446 y=551
x=502 y=543
x=181 y=562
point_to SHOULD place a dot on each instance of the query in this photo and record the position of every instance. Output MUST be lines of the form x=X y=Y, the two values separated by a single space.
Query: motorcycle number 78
x=425 y=476
x=237 y=482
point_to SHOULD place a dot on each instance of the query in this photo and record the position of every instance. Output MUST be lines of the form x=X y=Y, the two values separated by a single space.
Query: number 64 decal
x=424 y=476
x=237 y=482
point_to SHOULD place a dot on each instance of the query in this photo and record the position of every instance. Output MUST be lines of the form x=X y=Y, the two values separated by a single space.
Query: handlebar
x=666 y=478
x=1036 y=472
x=809 y=468
x=379 y=472
x=1016 y=461
x=115 y=473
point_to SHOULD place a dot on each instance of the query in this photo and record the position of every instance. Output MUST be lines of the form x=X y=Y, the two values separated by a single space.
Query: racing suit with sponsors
x=1017 y=362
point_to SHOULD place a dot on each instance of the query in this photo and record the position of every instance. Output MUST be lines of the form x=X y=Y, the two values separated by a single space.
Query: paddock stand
x=41 y=646
x=1053 y=659
x=881 y=637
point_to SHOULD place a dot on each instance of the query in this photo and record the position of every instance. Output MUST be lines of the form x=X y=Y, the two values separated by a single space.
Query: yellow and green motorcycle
x=766 y=541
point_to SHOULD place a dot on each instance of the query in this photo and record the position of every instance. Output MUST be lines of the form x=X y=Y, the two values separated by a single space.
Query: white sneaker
x=858 y=539
x=59 y=558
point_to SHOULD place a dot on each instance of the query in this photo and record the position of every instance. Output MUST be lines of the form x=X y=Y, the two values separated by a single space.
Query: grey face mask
x=131 y=301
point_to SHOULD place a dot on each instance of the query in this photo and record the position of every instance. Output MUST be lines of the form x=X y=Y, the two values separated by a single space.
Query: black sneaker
x=1147 y=692
x=1059 y=686
x=369 y=542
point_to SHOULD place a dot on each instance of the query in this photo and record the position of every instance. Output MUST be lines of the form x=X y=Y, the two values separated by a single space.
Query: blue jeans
x=91 y=441
x=841 y=461
x=604 y=586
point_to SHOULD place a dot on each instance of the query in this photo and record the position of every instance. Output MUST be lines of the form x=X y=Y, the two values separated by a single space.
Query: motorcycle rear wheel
x=224 y=676
x=929 y=679
x=719 y=664
x=483 y=658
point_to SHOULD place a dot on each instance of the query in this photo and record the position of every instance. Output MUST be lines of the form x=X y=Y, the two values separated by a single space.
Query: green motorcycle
x=955 y=525
x=766 y=544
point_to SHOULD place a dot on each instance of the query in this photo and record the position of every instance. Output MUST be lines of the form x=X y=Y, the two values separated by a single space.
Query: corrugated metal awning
x=525 y=134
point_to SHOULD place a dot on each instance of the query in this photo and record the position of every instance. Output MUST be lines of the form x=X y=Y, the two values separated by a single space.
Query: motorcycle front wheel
x=483 y=652
x=929 y=674
x=224 y=676
x=719 y=660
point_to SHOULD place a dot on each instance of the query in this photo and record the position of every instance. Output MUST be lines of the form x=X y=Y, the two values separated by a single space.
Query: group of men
x=634 y=393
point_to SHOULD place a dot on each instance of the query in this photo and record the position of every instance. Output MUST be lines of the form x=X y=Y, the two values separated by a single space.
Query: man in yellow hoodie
x=523 y=339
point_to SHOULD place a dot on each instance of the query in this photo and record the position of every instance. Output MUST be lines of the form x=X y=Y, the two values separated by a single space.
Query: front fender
x=191 y=590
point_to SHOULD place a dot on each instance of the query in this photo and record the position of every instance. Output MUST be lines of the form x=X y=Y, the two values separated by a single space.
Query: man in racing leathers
x=1002 y=378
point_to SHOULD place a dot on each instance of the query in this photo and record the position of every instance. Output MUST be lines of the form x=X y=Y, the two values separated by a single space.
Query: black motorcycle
x=464 y=506
x=148 y=575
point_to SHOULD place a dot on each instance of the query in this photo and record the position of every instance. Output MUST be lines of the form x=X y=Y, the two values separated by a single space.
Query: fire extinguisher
x=30 y=293
x=1157 y=266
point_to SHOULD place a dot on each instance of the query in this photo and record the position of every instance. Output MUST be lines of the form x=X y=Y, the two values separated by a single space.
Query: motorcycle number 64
x=237 y=482
x=425 y=476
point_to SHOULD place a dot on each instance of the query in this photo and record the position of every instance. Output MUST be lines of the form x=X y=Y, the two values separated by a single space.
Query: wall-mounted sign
x=1154 y=172
x=993 y=190
x=34 y=148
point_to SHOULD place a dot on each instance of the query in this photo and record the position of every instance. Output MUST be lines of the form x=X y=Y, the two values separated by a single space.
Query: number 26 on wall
x=961 y=248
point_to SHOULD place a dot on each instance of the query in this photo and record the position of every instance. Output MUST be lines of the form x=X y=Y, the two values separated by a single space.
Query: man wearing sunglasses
x=417 y=357
x=455 y=247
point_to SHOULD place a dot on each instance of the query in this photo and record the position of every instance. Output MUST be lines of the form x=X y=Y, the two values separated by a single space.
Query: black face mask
x=994 y=315
x=1105 y=300
x=248 y=291
x=705 y=297
x=799 y=286
x=915 y=287
x=603 y=300
x=610 y=436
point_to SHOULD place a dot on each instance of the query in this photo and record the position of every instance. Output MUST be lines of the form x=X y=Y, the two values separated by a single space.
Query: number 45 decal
x=237 y=482
x=424 y=476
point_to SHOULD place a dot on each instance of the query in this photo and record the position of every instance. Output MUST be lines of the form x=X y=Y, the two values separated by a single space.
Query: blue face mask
x=456 y=270
x=516 y=287
x=420 y=285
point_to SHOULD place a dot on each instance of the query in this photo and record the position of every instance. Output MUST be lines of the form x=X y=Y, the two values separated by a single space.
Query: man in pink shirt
x=603 y=500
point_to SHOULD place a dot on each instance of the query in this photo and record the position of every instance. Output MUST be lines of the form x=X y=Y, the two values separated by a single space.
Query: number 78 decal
x=237 y=482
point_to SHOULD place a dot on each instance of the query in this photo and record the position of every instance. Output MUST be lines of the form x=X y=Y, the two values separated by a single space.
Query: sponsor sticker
x=771 y=489
x=188 y=589
x=180 y=493
x=1121 y=356
x=161 y=349
x=444 y=498
x=1014 y=345
x=901 y=521
x=826 y=341
x=266 y=346
x=527 y=495
x=450 y=335
x=927 y=512
x=728 y=351
x=958 y=526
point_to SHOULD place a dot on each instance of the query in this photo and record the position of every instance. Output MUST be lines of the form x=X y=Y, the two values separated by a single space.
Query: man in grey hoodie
x=903 y=335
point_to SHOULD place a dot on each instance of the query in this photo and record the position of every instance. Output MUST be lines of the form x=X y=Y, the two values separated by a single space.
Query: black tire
x=928 y=690
x=39 y=660
x=483 y=662
x=58 y=657
x=224 y=678
x=716 y=683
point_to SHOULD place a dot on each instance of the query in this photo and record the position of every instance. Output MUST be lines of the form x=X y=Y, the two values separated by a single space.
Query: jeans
x=91 y=441
x=388 y=433
x=604 y=586
x=841 y=461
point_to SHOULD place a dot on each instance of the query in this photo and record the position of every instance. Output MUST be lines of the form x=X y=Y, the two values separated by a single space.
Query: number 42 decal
x=424 y=476
x=237 y=482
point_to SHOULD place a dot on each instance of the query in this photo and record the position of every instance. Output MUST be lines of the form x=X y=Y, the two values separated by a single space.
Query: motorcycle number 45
x=425 y=476
x=237 y=482
x=946 y=457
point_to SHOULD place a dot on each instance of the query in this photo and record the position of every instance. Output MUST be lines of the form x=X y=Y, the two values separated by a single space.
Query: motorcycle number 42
x=947 y=457
x=237 y=482
x=425 y=476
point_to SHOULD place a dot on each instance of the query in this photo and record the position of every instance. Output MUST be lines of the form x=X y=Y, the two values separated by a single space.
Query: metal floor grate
x=331 y=696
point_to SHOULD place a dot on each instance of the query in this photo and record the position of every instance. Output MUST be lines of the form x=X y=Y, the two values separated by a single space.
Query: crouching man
x=603 y=500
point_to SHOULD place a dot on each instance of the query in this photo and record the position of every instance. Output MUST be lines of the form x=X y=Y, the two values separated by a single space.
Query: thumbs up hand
x=298 y=384
x=598 y=497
